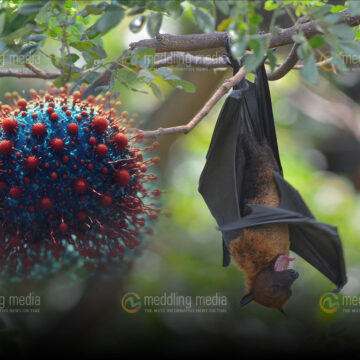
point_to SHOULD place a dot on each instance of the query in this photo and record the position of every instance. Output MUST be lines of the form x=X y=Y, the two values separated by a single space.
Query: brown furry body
x=258 y=246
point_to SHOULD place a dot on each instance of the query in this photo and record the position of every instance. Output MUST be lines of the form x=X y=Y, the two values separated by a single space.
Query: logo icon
x=131 y=302
x=326 y=62
x=329 y=303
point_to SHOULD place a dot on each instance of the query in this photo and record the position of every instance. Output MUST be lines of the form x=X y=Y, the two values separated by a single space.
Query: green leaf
x=317 y=41
x=223 y=6
x=55 y=60
x=342 y=31
x=156 y=90
x=338 y=61
x=270 y=5
x=72 y=58
x=28 y=50
x=298 y=38
x=253 y=61
x=67 y=61
x=82 y=45
x=303 y=50
x=136 y=10
x=145 y=62
x=158 y=5
x=92 y=9
x=145 y=73
x=22 y=32
x=349 y=48
x=238 y=48
x=357 y=36
x=90 y=60
x=183 y=85
x=30 y=9
x=255 y=19
x=225 y=23
x=172 y=77
x=332 y=18
x=137 y=24
x=91 y=32
x=272 y=58
x=319 y=11
x=174 y=8
x=310 y=71
x=205 y=4
x=126 y=75
x=35 y=38
x=154 y=23
x=76 y=31
x=204 y=20
x=109 y=20
x=337 y=8
x=2 y=46
x=354 y=7
x=90 y=47
x=133 y=60
x=164 y=72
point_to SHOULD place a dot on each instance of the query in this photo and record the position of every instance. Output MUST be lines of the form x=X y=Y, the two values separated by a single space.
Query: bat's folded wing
x=318 y=243
x=220 y=181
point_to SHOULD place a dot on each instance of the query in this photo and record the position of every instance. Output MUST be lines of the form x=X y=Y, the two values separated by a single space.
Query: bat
x=260 y=215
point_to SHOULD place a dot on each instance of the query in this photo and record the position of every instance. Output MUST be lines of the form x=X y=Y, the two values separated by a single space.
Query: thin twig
x=174 y=58
x=41 y=73
x=29 y=74
x=220 y=92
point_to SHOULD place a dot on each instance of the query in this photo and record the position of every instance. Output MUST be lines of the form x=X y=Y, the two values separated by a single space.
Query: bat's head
x=271 y=287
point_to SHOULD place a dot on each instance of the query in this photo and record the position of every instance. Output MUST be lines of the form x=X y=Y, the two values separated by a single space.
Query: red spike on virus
x=9 y=125
x=72 y=181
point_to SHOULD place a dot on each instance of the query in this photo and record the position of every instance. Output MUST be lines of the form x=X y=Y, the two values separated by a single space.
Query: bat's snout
x=293 y=274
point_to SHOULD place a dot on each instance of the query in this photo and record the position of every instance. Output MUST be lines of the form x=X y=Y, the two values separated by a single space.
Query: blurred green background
x=319 y=150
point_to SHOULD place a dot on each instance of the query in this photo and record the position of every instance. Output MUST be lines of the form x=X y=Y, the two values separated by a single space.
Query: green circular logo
x=326 y=62
x=131 y=303
x=329 y=303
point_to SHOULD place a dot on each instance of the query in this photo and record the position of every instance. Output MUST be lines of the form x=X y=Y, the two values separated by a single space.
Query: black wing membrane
x=266 y=118
x=221 y=179
x=248 y=111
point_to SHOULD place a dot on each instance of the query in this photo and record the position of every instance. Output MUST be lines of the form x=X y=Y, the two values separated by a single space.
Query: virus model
x=72 y=180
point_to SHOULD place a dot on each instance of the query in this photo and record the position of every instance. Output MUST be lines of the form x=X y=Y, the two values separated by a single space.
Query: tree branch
x=178 y=44
x=168 y=42
x=220 y=92
x=41 y=73
x=29 y=74
x=286 y=66
x=183 y=43
x=179 y=58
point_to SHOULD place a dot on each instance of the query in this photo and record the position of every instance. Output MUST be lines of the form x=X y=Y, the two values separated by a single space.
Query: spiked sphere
x=71 y=180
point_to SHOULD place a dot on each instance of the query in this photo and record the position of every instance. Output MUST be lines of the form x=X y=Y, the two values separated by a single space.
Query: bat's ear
x=246 y=299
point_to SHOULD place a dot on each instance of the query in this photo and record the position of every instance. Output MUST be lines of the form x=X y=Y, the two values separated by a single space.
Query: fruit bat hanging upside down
x=260 y=215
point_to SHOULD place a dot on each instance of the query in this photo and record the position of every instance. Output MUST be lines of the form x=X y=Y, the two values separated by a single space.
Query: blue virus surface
x=71 y=182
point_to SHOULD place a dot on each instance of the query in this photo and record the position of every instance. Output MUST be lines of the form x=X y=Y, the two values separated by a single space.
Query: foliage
x=25 y=27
